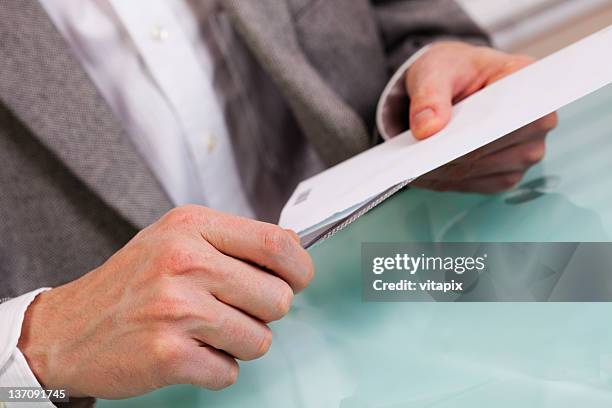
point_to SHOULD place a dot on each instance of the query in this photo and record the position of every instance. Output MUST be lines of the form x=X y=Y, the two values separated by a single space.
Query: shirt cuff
x=11 y=319
x=14 y=369
x=17 y=373
x=392 y=109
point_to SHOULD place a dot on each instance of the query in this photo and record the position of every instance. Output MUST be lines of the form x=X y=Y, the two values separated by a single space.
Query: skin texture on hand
x=177 y=305
x=448 y=73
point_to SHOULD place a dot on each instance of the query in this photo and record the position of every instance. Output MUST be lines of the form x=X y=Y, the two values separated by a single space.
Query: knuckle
x=283 y=304
x=227 y=376
x=264 y=343
x=274 y=240
x=302 y=279
x=185 y=215
x=510 y=180
x=423 y=96
x=177 y=258
x=548 y=123
x=310 y=270
x=536 y=153
x=175 y=214
x=166 y=352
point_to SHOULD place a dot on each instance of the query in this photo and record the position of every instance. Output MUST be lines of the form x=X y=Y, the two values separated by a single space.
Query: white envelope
x=330 y=200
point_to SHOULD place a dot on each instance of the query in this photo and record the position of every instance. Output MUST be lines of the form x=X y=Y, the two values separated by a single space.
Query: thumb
x=431 y=100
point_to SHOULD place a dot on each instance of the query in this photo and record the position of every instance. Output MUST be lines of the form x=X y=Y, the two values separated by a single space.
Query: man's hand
x=448 y=73
x=176 y=305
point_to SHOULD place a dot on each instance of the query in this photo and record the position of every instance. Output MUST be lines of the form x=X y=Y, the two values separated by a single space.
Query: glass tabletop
x=334 y=350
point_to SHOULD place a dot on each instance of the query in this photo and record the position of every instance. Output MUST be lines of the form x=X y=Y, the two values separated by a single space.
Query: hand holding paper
x=448 y=73
x=329 y=199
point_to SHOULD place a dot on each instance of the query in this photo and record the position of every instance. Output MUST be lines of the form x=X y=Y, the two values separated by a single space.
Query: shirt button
x=211 y=143
x=159 y=33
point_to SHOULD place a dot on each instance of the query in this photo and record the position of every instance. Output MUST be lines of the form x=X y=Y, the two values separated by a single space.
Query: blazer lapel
x=47 y=90
x=336 y=130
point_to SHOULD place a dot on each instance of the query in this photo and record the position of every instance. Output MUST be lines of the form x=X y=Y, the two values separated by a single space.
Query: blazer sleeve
x=406 y=26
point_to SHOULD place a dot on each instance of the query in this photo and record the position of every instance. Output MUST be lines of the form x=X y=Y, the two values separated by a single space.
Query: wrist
x=39 y=341
x=30 y=340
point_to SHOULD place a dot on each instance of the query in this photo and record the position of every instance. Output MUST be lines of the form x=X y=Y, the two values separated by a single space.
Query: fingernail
x=423 y=117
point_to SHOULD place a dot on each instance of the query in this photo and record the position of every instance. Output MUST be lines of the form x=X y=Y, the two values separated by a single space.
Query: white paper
x=491 y=113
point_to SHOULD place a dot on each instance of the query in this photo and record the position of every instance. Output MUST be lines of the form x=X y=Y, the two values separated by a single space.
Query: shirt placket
x=185 y=79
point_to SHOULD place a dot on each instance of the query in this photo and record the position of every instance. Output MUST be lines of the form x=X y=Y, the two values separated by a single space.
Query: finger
x=263 y=244
x=206 y=367
x=446 y=73
x=517 y=158
x=488 y=184
x=513 y=159
x=250 y=289
x=466 y=165
x=534 y=130
x=226 y=328
x=431 y=96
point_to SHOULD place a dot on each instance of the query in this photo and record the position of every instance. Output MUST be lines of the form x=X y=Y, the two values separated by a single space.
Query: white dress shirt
x=148 y=61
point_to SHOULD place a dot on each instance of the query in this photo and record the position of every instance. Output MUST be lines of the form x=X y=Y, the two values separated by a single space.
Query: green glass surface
x=333 y=350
